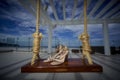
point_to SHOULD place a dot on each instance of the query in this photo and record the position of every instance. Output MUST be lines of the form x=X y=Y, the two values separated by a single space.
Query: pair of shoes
x=48 y=60
x=60 y=58
x=58 y=51
x=56 y=63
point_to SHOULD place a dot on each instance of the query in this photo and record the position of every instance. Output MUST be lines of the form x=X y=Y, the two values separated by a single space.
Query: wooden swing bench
x=71 y=65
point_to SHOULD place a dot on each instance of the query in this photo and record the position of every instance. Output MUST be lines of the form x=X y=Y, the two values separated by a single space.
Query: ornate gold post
x=37 y=37
x=84 y=37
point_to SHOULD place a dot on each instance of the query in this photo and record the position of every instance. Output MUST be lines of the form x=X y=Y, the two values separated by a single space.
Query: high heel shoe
x=51 y=58
x=61 y=58
x=48 y=60
x=57 y=52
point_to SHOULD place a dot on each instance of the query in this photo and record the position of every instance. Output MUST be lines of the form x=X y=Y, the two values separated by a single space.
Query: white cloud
x=23 y=15
x=76 y=29
x=24 y=19
x=17 y=14
x=73 y=28
x=49 y=10
x=95 y=30
x=10 y=29
x=30 y=23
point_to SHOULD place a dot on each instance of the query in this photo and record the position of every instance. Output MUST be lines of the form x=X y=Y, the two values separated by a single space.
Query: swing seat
x=71 y=65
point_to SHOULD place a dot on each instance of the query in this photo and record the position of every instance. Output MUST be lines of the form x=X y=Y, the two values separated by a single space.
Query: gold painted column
x=37 y=37
x=84 y=37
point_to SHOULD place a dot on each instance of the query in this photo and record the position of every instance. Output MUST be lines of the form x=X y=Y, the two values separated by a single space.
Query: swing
x=70 y=65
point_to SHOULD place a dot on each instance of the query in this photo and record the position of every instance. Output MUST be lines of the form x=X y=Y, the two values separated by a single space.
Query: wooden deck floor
x=10 y=68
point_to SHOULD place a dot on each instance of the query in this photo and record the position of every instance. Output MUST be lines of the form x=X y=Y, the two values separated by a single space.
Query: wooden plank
x=71 y=65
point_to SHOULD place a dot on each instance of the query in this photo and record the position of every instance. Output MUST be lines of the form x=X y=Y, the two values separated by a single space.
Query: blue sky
x=16 y=21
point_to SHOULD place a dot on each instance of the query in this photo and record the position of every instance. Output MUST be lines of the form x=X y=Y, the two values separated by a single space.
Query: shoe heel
x=66 y=58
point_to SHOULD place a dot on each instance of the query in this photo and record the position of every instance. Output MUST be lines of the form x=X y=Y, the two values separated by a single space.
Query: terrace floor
x=11 y=62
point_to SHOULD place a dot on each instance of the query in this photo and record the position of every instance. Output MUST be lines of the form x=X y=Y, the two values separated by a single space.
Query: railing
x=26 y=43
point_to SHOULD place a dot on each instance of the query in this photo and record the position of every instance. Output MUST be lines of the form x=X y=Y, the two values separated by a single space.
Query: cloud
x=67 y=32
x=30 y=23
x=73 y=31
x=73 y=28
x=49 y=10
x=25 y=22
x=16 y=13
x=24 y=19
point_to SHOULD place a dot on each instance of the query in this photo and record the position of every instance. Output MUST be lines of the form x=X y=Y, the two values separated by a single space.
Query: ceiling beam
x=74 y=8
x=92 y=21
x=98 y=4
x=64 y=15
x=43 y=12
x=54 y=10
x=88 y=3
x=112 y=11
x=116 y=16
x=47 y=18
x=23 y=3
x=111 y=3
x=30 y=5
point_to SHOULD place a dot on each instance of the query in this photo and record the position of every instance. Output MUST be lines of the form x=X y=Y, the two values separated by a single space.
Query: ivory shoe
x=48 y=60
x=56 y=63
x=60 y=58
